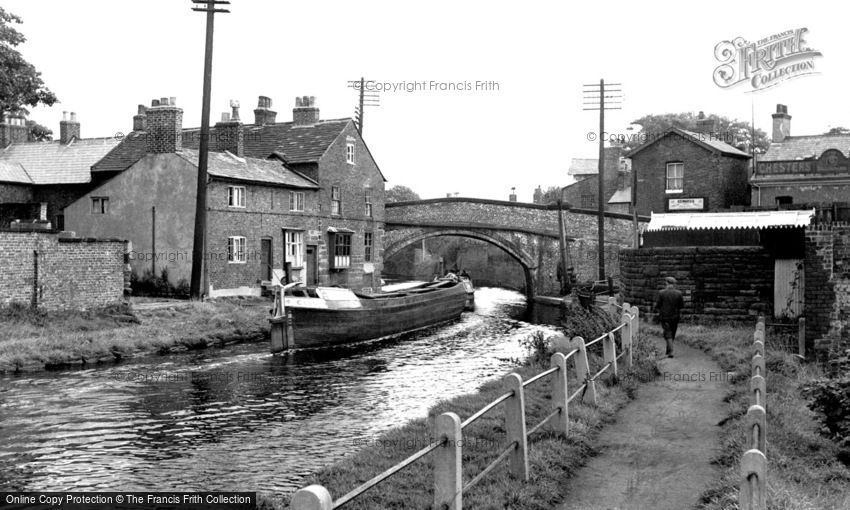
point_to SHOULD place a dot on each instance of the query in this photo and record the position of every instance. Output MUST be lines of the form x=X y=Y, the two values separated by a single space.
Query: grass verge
x=32 y=340
x=553 y=457
x=803 y=468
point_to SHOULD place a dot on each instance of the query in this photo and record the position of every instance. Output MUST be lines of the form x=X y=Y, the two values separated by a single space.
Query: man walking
x=669 y=304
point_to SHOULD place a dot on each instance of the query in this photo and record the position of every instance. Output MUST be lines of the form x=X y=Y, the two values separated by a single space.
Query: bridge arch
x=528 y=264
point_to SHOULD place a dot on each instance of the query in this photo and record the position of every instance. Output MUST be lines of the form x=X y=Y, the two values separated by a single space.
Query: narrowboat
x=318 y=316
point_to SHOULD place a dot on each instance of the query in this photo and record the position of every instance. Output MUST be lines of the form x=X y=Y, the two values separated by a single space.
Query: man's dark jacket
x=669 y=304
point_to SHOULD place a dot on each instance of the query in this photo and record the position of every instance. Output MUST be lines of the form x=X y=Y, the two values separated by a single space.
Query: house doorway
x=266 y=260
x=788 y=288
x=312 y=264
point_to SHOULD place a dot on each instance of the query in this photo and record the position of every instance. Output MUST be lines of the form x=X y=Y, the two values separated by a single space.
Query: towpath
x=657 y=454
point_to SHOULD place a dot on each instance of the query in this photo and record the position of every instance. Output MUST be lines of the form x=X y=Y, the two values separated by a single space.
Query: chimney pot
x=264 y=114
x=154 y=103
x=305 y=112
x=163 y=101
x=64 y=115
x=73 y=116
x=172 y=101
x=225 y=117
x=164 y=127
x=142 y=109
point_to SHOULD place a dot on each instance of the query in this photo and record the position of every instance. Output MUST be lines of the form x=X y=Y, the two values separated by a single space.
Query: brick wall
x=720 y=180
x=827 y=277
x=730 y=283
x=60 y=274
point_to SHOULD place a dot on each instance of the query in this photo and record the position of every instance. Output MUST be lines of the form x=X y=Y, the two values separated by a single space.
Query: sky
x=520 y=128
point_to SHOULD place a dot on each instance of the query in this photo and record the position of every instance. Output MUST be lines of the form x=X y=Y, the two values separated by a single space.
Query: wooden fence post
x=801 y=337
x=757 y=391
x=609 y=353
x=626 y=337
x=515 y=427
x=313 y=497
x=752 y=493
x=583 y=370
x=448 y=474
x=560 y=393
x=635 y=311
x=612 y=305
x=758 y=365
x=757 y=428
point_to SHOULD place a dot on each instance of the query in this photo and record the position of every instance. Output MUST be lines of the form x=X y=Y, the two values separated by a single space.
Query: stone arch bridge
x=527 y=232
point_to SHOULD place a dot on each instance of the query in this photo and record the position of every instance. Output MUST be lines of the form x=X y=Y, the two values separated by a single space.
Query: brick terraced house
x=38 y=179
x=812 y=169
x=305 y=196
x=682 y=171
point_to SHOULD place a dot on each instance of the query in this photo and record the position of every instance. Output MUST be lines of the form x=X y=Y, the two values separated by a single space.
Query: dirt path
x=656 y=455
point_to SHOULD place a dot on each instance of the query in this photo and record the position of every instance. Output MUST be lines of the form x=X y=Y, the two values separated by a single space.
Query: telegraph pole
x=371 y=99
x=198 y=255
x=595 y=94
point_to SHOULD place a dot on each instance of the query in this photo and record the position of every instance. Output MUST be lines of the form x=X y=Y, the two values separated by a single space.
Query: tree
x=551 y=195
x=400 y=193
x=732 y=131
x=38 y=132
x=20 y=83
x=839 y=130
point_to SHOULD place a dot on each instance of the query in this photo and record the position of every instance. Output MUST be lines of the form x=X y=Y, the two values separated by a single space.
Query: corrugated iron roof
x=729 y=220
x=622 y=196
x=11 y=171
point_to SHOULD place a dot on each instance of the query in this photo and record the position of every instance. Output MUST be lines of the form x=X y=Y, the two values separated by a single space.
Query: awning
x=340 y=230
x=730 y=220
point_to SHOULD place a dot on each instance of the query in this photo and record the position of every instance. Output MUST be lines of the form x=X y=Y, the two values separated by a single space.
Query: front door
x=788 y=288
x=312 y=265
x=266 y=260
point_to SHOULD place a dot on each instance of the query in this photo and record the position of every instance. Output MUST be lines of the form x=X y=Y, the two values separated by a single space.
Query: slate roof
x=583 y=166
x=54 y=162
x=227 y=166
x=296 y=144
x=803 y=147
x=700 y=139
x=729 y=220
x=122 y=156
x=11 y=171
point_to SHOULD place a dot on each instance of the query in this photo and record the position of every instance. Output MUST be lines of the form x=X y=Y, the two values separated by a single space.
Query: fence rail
x=448 y=450
x=752 y=493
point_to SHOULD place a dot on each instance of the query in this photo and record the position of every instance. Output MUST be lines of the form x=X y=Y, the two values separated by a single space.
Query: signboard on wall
x=685 y=204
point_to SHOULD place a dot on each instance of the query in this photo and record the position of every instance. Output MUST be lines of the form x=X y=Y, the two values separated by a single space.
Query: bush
x=830 y=398
x=158 y=286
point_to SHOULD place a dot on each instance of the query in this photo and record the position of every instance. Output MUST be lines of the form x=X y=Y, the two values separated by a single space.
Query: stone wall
x=728 y=283
x=53 y=273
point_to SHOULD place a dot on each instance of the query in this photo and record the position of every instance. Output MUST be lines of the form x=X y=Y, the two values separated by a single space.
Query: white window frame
x=336 y=199
x=350 y=153
x=237 y=250
x=293 y=242
x=236 y=196
x=342 y=261
x=296 y=201
x=681 y=177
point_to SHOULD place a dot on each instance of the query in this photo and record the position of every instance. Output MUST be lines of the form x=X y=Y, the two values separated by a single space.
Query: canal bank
x=32 y=341
x=236 y=416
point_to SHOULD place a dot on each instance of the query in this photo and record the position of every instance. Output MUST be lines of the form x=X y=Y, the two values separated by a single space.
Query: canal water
x=238 y=417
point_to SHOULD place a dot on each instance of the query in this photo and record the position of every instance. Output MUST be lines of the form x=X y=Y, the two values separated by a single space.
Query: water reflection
x=239 y=417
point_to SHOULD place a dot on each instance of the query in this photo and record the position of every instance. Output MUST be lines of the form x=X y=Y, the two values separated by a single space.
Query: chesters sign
x=765 y=63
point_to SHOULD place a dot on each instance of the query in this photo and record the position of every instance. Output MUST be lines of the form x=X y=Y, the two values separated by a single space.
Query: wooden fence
x=752 y=493
x=449 y=486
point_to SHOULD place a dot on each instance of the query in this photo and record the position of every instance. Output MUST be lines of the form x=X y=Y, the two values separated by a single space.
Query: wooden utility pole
x=596 y=95
x=198 y=255
x=364 y=100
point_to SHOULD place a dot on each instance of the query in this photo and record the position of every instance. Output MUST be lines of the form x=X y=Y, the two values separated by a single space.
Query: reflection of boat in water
x=332 y=315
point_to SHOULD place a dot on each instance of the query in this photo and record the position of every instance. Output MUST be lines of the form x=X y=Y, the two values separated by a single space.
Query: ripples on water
x=239 y=418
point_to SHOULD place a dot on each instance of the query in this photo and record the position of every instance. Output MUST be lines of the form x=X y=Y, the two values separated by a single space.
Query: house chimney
x=164 y=126
x=538 y=195
x=229 y=135
x=306 y=112
x=140 y=120
x=705 y=124
x=264 y=114
x=781 y=124
x=512 y=196
x=68 y=129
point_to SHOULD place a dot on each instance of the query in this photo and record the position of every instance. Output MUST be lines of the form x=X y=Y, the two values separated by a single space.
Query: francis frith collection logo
x=765 y=63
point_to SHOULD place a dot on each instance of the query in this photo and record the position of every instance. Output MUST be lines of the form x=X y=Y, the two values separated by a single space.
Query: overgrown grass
x=33 y=340
x=553 y=457
x=804 y=471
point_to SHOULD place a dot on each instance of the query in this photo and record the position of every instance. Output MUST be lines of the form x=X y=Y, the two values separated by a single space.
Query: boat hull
x=376 y=318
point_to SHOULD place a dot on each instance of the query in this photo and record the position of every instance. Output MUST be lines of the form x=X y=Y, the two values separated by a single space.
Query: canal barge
x=317 y=316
